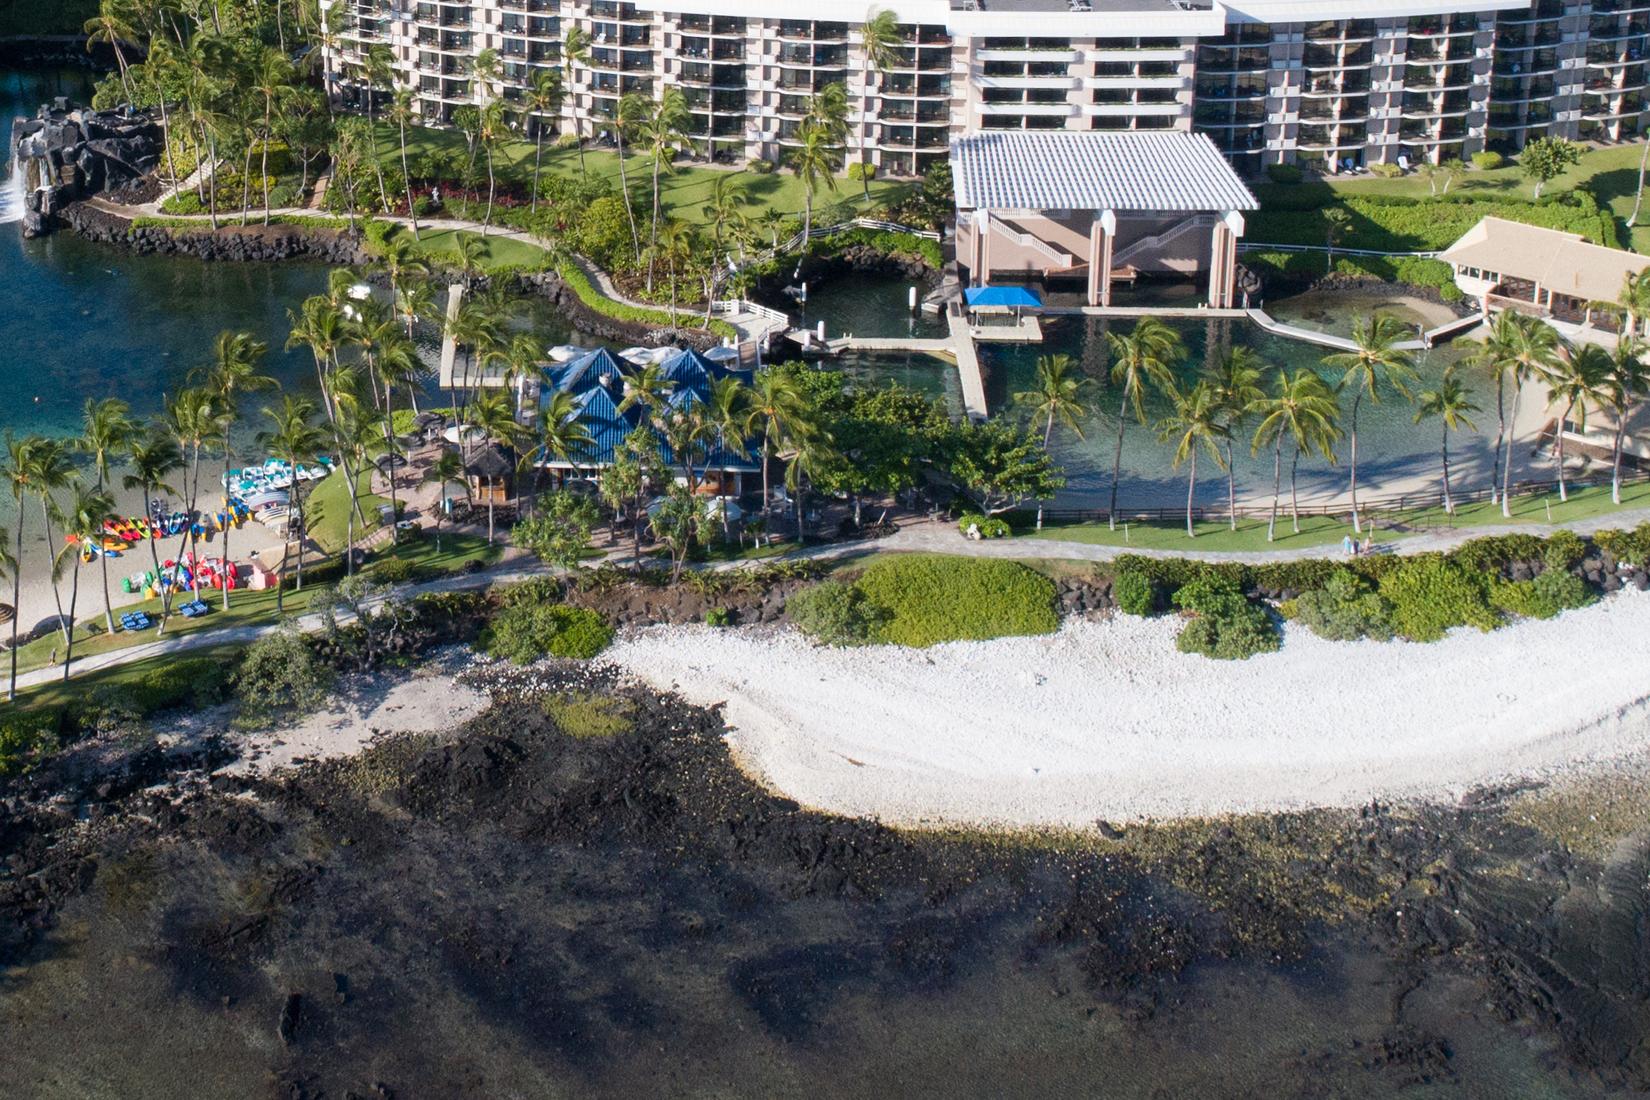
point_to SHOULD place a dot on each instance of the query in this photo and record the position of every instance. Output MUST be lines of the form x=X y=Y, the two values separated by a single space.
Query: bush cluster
x=24 y=738
x=1631 y=547
x=1345 y=609
x=1226 y=626
x=527 y=629
x=1284 y=173
x=1134 y=592
x=1549 y=593
x=1431 y=594
x=990 y=527
x=919 y=601
x=192 y=681
x=575 y=278
x=1487 y=160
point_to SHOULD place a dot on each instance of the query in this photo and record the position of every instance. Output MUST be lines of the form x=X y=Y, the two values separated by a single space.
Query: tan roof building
x=1529 y=262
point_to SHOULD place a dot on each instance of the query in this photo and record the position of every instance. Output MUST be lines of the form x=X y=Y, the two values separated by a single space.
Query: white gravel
x=1107 y=721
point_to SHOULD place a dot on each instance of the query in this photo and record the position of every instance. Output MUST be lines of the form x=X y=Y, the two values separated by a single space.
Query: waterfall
x=13 y=192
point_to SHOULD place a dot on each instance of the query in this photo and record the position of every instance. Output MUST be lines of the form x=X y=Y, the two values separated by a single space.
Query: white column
x=1108 y=225
x=982 y=272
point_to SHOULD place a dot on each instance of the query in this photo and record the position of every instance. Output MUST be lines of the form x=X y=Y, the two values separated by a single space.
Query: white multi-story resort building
x=1344 y=82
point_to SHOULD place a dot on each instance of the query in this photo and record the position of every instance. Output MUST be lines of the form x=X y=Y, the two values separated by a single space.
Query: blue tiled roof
x=689 y=372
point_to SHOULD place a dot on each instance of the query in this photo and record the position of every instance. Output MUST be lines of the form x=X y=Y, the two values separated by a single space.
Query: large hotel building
x=1344 y=83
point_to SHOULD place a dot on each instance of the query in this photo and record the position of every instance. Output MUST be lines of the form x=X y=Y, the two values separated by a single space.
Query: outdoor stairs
x=1180 y=228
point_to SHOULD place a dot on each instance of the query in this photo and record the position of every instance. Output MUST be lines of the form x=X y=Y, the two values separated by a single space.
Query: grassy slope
x=1611 y=173
x=327 y=509
x=442 y=245
x=682 y=193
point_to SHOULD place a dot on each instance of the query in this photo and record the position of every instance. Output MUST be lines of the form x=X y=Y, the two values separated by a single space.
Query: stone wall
x=229 y=242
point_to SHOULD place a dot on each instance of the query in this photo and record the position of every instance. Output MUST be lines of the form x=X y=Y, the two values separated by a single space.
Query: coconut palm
x=399 y=259
x=1304 y=408
x=727 y=196
x=1632 y=305
x=561 y=436
x=447 y=468
x=729 y=412
x=272 y=78
x=674 y=243
x=575 y=52
x=153 y=457
x=319 y=326
x=1198 y=421
x=777 y=409
x=543 y=97
x=814 y=161
x=1059 y=394
x=17 y=471
x=87 y=510
x=810 y=452
x=1374 y=366
x=879 y=42
x=495 y=125
x=1525 y=348
x=50 y=471
x=111 y=26
x=649 y=389
x=477 y=329
x=828 y=109
x=1142 y=361
x=492 y=414
x=663 y=130
x=293 y=435
x=1579 y=379
x=1629 y=382
x=404 y=109
x=236 y=359
x=413 y=303
x=1453 y=405
x=1236 y=380
x=106 y=427
x=391 y=360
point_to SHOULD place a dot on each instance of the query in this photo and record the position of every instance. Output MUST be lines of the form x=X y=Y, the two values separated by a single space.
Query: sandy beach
x=1107 y=721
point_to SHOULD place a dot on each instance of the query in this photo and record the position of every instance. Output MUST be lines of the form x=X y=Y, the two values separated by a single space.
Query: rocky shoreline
x=229 y=242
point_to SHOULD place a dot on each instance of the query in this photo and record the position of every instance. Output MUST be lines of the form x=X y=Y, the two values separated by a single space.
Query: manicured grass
x=1610 y=172
x=1213 y=536
x=245 y=606
x=57 y=694
x=1588 y=503
x=501 y=252
x=683 y=193
x=327 y=510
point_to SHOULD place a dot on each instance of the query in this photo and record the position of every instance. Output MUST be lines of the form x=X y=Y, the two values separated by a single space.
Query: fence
x=1373 y=507
x=795 y=242
x=1259 y=246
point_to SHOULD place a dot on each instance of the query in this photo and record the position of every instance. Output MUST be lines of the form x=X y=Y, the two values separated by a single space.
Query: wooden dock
x=958 y=347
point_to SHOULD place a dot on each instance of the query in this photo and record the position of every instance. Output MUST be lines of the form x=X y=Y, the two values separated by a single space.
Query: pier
x=957 y=346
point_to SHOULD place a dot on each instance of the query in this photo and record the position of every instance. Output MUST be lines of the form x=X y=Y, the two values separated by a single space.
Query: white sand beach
x=1107 y=721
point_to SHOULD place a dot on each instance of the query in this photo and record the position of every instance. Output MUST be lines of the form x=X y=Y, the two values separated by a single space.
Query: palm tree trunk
x=767 y=453
x=1512 y=435
x=1558 y=451
x=108 y=604
x=16 y=598
x=1117 y=460
x=1500 y=433
x=1352 y=461
x=74 y=599
x=406 y=181
x=57 y=597
x=653 y=233
x=624 y=186
x=1294 y=498
x=1231 y=488
x=538 y=158
x=1615 y=456
x=491 y=187
x=263 y=169
x=246 y=181
x=1638 y=195
x=1277 y=486
x=1191 y=488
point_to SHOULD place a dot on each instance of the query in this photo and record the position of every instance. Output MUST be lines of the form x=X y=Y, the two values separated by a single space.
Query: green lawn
x=1610 y=172
x=327 y=510
x=57 y=694
x=1213 y=536
x=245 y=606
x=683 y=193
x=442 y=245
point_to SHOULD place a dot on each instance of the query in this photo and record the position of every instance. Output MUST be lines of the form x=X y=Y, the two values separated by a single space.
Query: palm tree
x=1453 y=405
x=727 y=196
x=1628 y=383
x=444 y=471
x=404 y=109
x=663 y=129
x=1632 y=305
x=1375 y=365
x=493 y=415
x=633 y=111
x=813 y=161
x=1198 y=419
x=879 y=42
x=575 y=52
x=1141 y=361
x=1236 y=381
x=521 y=358
x=320 y=327
x=1580 y=377
x=810 y=447
x=18 y=473
x=1525 y=348
x=1304 y=408
x=495 y=123
x=234 y=371
x=1336 y=222
x=674 y=244
x=729 y=414
x=777 y=408
x=828 y=110
x=562 y=436
x=106 y=427
x=544 y=97
x=191 y=418
x=471 y=251
x=153 y=457
x=413 y=303
x=478 y=329
x=294 y=436
x=87 y=511
x=110 y=26
x=1058 y=394
x=272 y=81
x=50 y=471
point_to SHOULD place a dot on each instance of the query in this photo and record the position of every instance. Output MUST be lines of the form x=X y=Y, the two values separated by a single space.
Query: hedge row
x=1303 y=267
x=883 y=241
x=1394 y=224
x=574 y=277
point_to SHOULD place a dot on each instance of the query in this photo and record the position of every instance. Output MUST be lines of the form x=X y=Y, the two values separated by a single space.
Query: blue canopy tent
x=1002 y=297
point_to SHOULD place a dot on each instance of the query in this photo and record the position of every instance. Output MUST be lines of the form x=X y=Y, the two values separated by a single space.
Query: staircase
x=1158 y=240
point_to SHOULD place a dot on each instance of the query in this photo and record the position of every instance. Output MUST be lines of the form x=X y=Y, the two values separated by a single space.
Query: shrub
x=24 y=739
x=761 y=166
x=1386 y=170
x=1631 y=547
x=621 y=311
x=527 y=629
x=567 y=141
x=990 y=527
x=1487 y=161
x=930 y=599
x=858 y=171
x=718 y=616
x=1494 y=553
x=1135 y=593
x=280 y=674
x=398 y=571
x=1284 y=173
x=1553 y=591
x=193 y=681
x=1431 y=594
x=1563 y=551
x=1345 y=609
x=835 y=613
x=1227 y=627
